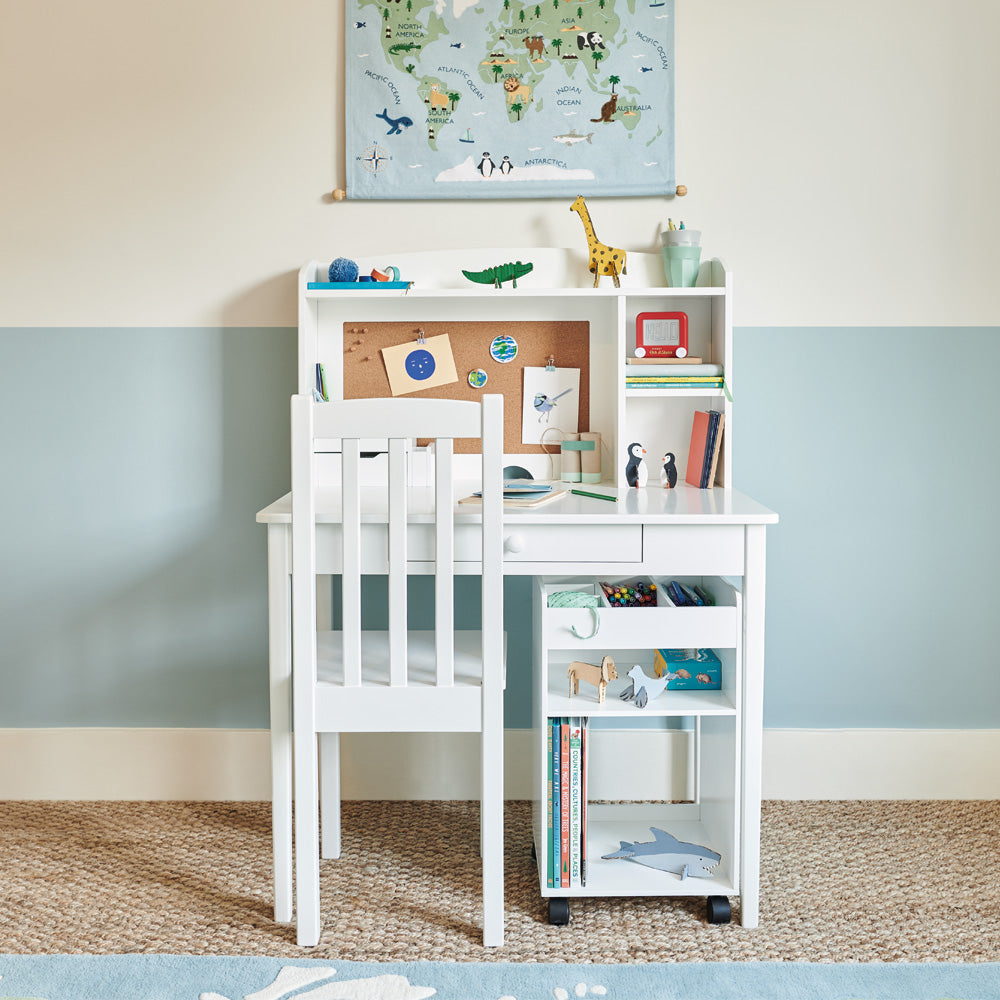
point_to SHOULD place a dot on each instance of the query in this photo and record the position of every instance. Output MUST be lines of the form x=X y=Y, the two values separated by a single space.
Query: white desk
x=679 y=532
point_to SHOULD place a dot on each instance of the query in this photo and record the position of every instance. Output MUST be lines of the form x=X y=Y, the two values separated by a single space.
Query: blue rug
x=168 y=977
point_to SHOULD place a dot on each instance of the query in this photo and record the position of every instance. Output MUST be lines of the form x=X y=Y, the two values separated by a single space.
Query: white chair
x=353 y=680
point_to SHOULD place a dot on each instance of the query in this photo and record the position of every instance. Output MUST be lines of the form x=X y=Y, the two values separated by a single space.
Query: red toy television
x=661 y=335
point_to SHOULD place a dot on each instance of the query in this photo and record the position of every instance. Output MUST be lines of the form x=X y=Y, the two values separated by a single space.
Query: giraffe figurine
x=603 y=259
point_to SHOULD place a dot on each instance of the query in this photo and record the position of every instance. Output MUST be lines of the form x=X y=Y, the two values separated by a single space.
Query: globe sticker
x=503 y=349
x=420 y=364
x=414 y=365
x=478 y=378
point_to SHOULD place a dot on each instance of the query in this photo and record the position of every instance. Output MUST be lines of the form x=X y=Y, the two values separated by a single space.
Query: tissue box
x=702 y=666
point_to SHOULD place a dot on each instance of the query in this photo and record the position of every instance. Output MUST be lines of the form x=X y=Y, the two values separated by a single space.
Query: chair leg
x=329 y=795
x=306 y=838
x=491 y=833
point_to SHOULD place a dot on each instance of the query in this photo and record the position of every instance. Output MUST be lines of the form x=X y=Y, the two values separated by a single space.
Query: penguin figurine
x=668 y=474
x=486 y=165
x=635 y=471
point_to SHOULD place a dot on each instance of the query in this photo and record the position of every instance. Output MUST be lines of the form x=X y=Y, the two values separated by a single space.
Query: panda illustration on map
x=590 y=39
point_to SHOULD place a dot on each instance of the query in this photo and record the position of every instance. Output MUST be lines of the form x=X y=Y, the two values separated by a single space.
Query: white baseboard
x=222 y=764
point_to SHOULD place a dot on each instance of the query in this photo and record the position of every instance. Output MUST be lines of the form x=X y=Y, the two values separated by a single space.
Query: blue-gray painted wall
x=133 y=584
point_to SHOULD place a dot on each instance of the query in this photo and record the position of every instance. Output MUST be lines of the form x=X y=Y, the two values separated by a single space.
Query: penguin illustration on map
x=486 y=165
x=506 y=166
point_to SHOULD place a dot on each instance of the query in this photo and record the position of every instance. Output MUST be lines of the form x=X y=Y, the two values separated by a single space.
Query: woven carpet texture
x=841 y=882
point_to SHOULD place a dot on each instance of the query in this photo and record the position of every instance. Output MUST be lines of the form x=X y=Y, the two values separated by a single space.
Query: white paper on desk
x=551 y=400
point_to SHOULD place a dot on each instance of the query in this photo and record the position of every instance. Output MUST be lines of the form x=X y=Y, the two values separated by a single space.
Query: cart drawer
x=644 y=627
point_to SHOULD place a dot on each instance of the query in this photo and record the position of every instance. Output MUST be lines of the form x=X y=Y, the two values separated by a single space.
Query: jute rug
x=842 y=882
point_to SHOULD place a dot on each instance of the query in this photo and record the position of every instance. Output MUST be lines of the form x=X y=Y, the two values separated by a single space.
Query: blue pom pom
x=343 y=269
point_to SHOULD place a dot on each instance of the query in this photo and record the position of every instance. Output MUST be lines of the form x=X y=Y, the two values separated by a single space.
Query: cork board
x=567 y=342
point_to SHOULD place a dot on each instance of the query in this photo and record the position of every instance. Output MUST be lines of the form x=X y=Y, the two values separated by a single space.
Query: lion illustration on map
x=516 y=91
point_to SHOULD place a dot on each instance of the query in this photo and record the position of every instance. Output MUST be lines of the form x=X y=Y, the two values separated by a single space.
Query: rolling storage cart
x=710 y=813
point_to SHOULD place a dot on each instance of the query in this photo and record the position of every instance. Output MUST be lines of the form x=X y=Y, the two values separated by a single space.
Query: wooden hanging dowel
x=339 y=194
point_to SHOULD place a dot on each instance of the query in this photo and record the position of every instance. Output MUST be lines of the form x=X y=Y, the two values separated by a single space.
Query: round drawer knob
x=514 y=543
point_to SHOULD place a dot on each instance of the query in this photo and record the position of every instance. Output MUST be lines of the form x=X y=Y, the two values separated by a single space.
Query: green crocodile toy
x=495 y=276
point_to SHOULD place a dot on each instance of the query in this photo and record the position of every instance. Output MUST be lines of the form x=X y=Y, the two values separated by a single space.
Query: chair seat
x=420 y=706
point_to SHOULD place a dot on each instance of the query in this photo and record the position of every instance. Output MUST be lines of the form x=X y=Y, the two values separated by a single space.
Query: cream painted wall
x=169 y=163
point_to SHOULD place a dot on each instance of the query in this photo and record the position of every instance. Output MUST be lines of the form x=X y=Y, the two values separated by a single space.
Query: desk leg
x=329 y=795
x=753 y=722
x=280 y=671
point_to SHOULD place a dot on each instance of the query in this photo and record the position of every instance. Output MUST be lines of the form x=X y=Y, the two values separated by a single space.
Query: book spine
x=549 y=867
x=713 y=427
x=575 y=815
x=556 y=802
x=584 y=738
x=564 y=804
x=645 y=371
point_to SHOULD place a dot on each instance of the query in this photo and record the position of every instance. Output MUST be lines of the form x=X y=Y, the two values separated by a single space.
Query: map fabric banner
x=509 y=98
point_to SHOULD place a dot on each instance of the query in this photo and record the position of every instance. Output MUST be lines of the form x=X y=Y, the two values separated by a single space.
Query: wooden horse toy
x=592 y=674
x=603 y=259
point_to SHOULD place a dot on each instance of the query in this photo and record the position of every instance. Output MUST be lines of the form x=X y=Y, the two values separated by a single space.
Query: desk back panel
x=567 y=341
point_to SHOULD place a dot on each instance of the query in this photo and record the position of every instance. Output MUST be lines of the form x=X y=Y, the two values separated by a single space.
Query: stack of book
x=703 y=454
x=700 y=376
x=566 y=804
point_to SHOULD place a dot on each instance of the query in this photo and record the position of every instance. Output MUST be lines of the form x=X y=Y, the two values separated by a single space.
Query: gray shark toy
x=668 y=854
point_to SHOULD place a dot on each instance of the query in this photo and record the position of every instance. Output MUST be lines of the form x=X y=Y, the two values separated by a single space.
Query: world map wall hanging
x=509 y=99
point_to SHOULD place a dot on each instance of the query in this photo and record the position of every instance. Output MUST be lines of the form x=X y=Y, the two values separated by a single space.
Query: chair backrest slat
x=351 y=577
x=444 y=562
x=397 y=562
x=303 y=545
x=492 y=559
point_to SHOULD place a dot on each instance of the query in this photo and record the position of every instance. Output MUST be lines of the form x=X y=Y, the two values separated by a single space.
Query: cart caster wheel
x=558 y=911
x=718 y=910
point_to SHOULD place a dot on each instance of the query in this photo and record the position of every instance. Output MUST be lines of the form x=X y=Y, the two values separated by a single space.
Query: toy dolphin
x=668 y=854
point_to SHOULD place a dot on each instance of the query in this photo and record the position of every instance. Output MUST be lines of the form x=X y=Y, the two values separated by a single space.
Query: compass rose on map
x=374 y=158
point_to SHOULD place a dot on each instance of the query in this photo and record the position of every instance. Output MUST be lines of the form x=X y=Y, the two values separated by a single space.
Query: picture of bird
x=668 y=474
x=636 y=473
x=543 y=404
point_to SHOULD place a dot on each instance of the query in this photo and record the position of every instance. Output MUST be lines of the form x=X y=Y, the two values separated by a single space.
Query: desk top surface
x=648 y=505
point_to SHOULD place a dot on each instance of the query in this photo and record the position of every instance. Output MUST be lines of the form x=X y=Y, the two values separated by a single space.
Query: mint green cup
x=681 y=265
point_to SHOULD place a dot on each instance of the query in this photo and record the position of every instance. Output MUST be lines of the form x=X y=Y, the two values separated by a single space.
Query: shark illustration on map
x=507 y=98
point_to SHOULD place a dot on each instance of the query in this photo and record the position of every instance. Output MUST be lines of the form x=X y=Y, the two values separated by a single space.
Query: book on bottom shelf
x=566 y=805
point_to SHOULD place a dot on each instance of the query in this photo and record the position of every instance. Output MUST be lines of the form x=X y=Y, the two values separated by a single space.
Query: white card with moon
x=551 y=400
x=419 y=365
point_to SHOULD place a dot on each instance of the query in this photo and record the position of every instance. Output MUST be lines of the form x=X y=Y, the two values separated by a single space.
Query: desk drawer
x=690 y=549
x=549 y=543
x=568 y=543
x=647 y=628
